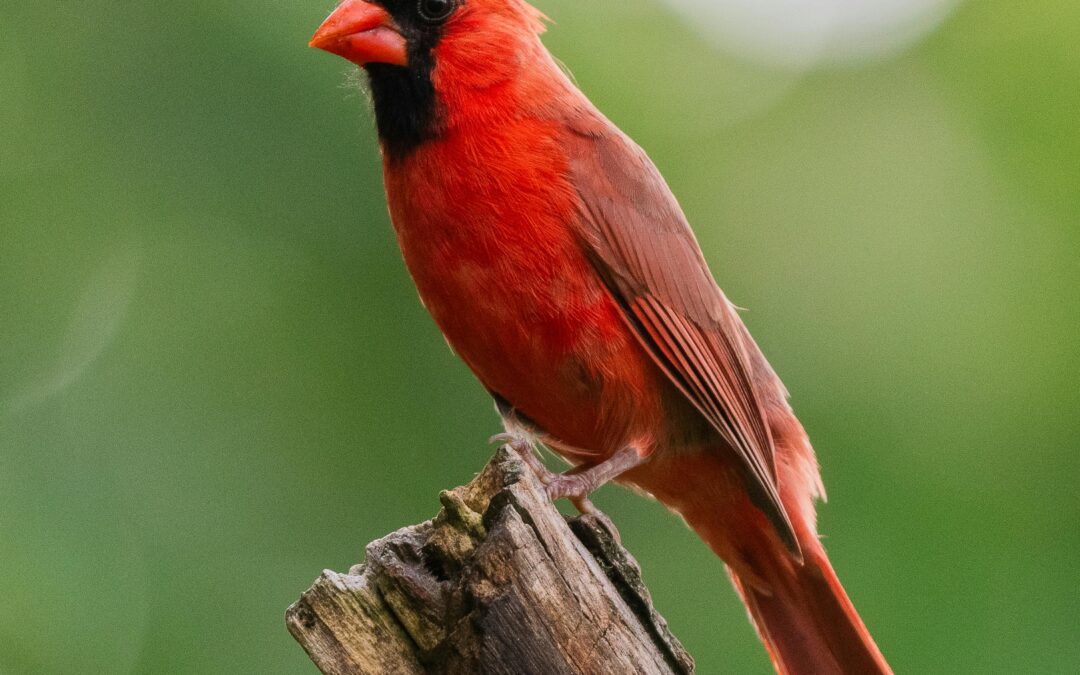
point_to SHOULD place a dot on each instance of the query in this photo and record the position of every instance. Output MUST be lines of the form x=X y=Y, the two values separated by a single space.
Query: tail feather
x=801 y=611
x=809 y=625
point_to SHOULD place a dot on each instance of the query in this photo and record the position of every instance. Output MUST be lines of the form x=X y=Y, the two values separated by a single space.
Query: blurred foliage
x=215 y=378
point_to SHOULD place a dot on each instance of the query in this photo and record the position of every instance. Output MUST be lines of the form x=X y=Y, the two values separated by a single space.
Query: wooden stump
x=498 y=582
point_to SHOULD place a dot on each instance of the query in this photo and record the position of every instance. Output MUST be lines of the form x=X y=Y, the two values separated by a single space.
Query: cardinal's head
x=427 y=58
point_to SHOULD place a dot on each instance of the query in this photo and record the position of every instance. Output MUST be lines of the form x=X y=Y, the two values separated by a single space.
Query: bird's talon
x=572 y=487
x=551 y=491
x=585 y=507
x=505 y=439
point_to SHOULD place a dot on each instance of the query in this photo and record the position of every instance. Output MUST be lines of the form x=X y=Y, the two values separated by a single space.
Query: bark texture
x=498 y=582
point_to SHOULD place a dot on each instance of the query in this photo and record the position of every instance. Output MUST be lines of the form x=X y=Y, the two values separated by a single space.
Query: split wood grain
x=498 y=582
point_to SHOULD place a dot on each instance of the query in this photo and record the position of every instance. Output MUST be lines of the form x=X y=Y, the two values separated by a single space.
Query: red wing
x=638 y=238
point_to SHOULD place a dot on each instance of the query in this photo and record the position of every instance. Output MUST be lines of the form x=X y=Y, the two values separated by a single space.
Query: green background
x=216 y=379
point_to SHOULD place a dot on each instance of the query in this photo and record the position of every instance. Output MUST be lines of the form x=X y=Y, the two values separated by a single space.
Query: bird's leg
x=578 y=483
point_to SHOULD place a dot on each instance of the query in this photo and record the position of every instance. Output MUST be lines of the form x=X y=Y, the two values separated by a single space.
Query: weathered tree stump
x=498 y=582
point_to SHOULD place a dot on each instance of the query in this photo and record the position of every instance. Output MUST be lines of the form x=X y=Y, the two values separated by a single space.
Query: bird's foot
x=573 y=484
x=577 y=483
x=585 y=507
x=525 y=448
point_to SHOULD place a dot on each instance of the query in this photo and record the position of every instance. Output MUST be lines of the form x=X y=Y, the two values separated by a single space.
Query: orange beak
x=363 y=33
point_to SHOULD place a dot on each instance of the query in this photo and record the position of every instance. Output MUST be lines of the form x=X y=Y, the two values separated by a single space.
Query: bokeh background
x=216 y=379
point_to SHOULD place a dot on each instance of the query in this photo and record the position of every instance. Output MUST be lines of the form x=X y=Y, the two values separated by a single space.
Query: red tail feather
x=801 y=611
x=809 y=625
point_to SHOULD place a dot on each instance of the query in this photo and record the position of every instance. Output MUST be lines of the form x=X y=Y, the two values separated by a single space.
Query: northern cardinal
x=559 y=266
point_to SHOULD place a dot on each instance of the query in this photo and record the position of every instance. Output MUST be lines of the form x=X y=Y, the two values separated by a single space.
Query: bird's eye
x=436 y=10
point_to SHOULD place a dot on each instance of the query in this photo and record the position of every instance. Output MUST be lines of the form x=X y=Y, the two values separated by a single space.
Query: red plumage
x=561 y=269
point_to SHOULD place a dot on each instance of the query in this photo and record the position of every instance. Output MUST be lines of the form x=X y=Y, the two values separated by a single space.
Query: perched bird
x=559 y=266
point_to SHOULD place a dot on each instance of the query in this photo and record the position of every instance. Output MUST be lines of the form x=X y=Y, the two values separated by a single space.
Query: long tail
x=801 y=611
x=809 y=625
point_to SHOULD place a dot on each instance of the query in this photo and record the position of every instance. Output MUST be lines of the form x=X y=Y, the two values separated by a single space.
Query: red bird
x=560 y=267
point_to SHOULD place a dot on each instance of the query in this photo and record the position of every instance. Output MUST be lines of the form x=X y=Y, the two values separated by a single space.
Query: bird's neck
x=406 y=109
x=416 y=105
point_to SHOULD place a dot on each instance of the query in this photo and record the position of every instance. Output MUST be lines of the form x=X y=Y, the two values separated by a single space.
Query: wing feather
x=641 y=244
